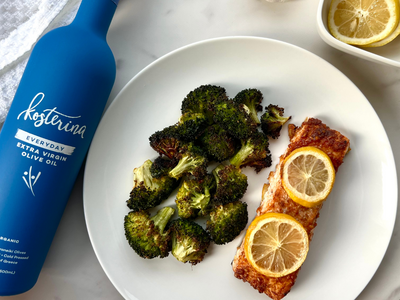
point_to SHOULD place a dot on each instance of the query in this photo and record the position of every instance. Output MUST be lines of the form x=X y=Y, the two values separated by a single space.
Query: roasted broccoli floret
x=252 y=98
x=148 y=191
x=148 y=236
x=192 y=160
x=202 y=99
x=167 y=141
x=189 y=241
x=191 y=125
x=218 y=143
x=231 y=184
x=161 y=166
x=254 y=153
x=194 y=196
x=234 y=118
x=227 y=221
x=273 y=120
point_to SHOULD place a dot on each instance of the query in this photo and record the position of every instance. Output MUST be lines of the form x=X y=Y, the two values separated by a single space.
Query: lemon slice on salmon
x=308 y=176
x=276 y=244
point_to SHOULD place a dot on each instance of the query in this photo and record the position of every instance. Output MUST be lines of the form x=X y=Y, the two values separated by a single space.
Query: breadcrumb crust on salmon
x=312 y=132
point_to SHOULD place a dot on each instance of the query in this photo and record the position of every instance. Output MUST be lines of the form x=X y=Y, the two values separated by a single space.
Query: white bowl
x=388 y=54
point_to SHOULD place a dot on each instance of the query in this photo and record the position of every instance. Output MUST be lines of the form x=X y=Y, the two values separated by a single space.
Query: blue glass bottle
x=44 y=140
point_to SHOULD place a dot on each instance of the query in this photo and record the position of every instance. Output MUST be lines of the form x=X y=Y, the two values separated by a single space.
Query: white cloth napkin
x=22 y=23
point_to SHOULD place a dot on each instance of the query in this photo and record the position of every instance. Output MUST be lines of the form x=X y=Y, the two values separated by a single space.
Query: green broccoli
x=227 y=221
x=252 y=98
x=190 y=126
x=218 y=143
x=231 y=184
x=192 y=160
x=234 y=118
x=202 y=99
x=161 y=166
x=273 y=120
x=147 y=236
x=189 y=241
x=194 y=196
x=253 y=153
x=148 y=191
x=167 y=141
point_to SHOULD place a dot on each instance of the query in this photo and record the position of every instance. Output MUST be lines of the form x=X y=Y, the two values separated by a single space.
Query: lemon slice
x=308 y=176
x=362 y=22
x=276 y=244
x=386 y=40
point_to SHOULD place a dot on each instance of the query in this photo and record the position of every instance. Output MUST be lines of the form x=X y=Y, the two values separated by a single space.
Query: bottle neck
x=96 y=15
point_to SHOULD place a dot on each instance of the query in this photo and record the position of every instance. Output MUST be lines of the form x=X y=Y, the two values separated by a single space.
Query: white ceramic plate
x=356 y=222
x=387 y=55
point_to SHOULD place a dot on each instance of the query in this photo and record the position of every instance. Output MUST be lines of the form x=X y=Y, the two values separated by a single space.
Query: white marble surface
x=143 y=31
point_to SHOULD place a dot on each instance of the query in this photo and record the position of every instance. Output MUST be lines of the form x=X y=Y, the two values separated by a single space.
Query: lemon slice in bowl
x=362 y=22
x=308 y=176
x=386 y=40
x=276 y=244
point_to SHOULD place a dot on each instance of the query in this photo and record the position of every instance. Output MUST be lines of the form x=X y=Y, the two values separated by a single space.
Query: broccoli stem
x=181 y=167
x=162 y=217
x=181 y=250
x=241 y=155
x=200 y=201
x=143 y=173
x=254 y=116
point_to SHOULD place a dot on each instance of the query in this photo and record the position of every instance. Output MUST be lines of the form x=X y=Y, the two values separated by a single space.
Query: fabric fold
x=22 y=23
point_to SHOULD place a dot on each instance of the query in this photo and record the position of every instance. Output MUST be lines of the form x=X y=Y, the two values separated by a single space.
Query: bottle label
x=50 y=116
x=43 y=143
x=39 y=149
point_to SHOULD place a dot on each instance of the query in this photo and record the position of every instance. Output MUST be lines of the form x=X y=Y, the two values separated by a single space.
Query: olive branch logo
x=30 y=180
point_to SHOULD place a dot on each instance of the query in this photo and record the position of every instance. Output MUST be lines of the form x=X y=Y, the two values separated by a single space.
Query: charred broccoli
x=252 y=98
x=254 y=153
x=189 y=241
x=218 y=143
x=202 y=99
x=227 y=221
x=192 y=160
x=161 y=166
x=191 y=125
x=148 y=191
x=167 y=141
x=273 y=120
x=231 y=184
x=147 y=236
x=194 y=196
x=234 y=118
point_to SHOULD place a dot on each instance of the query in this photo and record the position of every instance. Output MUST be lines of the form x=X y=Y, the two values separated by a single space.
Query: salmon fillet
x=314 y=133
